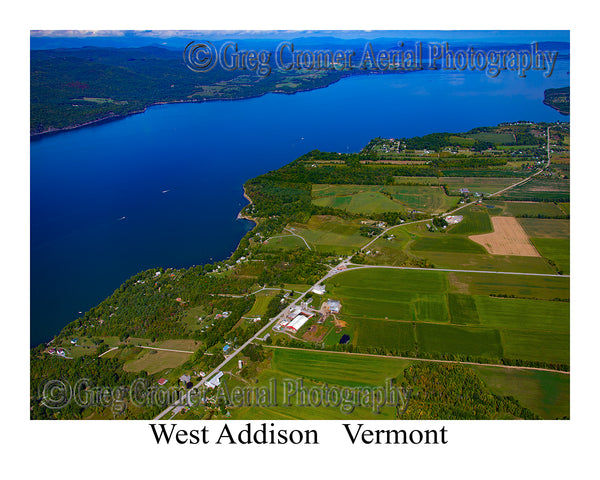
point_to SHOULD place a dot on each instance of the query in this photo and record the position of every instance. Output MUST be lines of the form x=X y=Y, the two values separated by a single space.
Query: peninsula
x=437 y=266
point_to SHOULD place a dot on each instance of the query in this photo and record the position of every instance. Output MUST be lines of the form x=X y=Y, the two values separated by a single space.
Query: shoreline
x=110 y=118
x=240 y=215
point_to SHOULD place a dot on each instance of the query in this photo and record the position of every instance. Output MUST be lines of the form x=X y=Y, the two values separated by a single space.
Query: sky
x=174 y=38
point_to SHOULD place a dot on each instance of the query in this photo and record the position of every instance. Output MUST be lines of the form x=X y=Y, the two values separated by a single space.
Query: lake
x=163 y=188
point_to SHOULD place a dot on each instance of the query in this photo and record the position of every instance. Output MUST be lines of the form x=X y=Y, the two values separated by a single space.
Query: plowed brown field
x=508 y=238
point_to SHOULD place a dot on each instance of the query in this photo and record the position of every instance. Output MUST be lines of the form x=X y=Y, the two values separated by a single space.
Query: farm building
x=333 y=306
x=214 y=381
x=294 y=312
x=318 y=289
x=185 y=378
x=226 y=348
x=296 y=323
x=284 y=323
x=162 y=381
x=464 y=190
x=453 y=219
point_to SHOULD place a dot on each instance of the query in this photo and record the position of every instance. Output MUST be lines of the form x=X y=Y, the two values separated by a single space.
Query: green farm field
x=330 y=234
x=154 y=361
x=487 y=262
x=446 y=243
x=498 y=138
x=557 y=250
x=547 y=209
x=476 y=220
x=453 y=313
x=443 y=339
x=479 y=184
x=545 y=393
x=450 y=250
x=261 y=302
x=533 y=287
x=283 y=242
x=313 y=370
x=546 y=227
x=379 y=198
x=540 y=189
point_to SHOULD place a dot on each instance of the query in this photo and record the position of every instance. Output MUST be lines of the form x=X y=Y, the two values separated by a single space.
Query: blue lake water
x=84 y=181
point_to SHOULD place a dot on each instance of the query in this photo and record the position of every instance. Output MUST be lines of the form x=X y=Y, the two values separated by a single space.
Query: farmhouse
x=162 y=381
x=185 y=378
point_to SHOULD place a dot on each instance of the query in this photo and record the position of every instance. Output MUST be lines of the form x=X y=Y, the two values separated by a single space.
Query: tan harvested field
x=508 y=238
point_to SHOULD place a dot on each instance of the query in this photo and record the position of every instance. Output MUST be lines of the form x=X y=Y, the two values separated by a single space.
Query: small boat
x=122 y=218
x=165 y=191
